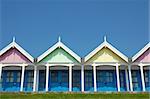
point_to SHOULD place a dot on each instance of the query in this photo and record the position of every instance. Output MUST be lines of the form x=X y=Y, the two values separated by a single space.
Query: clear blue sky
x=36 y=24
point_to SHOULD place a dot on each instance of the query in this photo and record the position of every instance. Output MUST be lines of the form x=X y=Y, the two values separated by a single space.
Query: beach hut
x=59 y=69
x=16 y=68
x=141 y=70
x=106 y=69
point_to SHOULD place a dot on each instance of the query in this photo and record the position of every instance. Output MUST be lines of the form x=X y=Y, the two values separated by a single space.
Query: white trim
x=106 y=44
x=57 y=45
x=18 y=47
x=1 y=69
x=108 y=64
x=118 y=78
x=52 y=65
x=35 y=79
x=105 y=63
x=94 y=74
x=22 y=78
x=142 y=78
x=130 y=78
x=141 y=63
x=19 y=65
x=82 y=78
x=47 y=78
x=70 y=78
x=127 y=79
x=137 y=55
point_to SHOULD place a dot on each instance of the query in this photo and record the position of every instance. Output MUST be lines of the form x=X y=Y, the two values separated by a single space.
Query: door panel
x=28 y=81
x=88 y=80
x=147 y=79
x=136 y=80
x=59 y=80
x=106 y=80
x=11 y=80
x=76 y=83
x=42 y=79
x=122 y=81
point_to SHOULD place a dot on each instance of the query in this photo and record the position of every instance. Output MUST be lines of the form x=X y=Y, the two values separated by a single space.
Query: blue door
x=106 y=80
x=11 y=80
x=76 y=80
x=28 y=81
x=147 y=79
x=136 y=80
x=122 y=81
x=88 y=80
x=59 y=80
x=42 y=79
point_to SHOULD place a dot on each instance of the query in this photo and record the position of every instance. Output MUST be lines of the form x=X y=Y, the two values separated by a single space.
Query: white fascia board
x=106 y=44
x=59 y=44
x=91 y=54
x=6 y=48
x=70 y=52
x=117 y=52
x=137 y=55
x=47 y=52
x=14 y=44
x=24 y=52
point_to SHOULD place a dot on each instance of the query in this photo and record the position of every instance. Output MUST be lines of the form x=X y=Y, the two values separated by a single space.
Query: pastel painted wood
x=14 y=56
x=59 y=55
x=105 y=52
x=145 y=57
x=105 y=55
x=60 y=69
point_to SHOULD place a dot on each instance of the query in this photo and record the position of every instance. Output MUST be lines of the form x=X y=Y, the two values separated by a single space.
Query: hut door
x=106 y=80
x=59 y=80
x=42 y=80
x=136 y=80
x=88 y=80
x=147 y=79
x=11 y=80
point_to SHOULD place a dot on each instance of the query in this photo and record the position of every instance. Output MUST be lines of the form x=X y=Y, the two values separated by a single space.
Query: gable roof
x=57 y=45
x=18 y=47
x=108 y=45
x=137 y=55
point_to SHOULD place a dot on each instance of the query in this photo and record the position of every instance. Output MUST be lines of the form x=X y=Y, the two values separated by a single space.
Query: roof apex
x=138 y=54
x=106 y=44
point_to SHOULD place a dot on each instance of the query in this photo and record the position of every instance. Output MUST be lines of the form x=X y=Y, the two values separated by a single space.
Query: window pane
x=146 y=79
x=111 y=79
x=18 y=79
x=111 y=74
x=18 y=74
x=11 y=80
x=107 y=74
x=135 y=79
x=133 y=73
x=54 y=76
